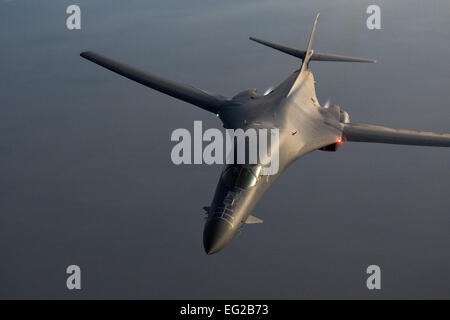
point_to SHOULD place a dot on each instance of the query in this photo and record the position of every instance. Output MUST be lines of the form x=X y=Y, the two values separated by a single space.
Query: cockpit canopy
x=241 y=176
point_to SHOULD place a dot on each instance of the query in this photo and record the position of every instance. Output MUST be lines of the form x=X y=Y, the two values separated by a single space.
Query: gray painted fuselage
x=304 y=126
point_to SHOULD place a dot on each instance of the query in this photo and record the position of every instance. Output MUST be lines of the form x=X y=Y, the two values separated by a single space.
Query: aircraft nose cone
x=217 y=234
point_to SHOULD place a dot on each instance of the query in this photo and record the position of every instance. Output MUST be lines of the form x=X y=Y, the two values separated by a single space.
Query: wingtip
x=85 y=54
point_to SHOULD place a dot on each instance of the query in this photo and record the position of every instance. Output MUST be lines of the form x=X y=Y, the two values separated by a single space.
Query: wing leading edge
x=378 y=134
x=200 y=98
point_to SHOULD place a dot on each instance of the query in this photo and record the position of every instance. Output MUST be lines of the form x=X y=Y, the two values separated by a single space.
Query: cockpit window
x=243 y=177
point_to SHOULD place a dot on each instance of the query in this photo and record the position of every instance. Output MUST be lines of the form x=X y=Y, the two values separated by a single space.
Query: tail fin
x=309 y=50
x=304 y=71
x=303 y=54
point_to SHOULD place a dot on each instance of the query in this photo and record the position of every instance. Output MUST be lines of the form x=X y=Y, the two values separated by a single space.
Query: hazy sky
x=86 y=176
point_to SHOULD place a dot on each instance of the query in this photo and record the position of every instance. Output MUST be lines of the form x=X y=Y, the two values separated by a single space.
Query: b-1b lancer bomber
x=292 y=107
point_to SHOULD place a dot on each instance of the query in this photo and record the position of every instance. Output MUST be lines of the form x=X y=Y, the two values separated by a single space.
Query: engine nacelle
x=332 y=147
x=343 y=116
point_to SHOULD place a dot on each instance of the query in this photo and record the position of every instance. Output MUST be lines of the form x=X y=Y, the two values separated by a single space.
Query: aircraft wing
x=200 y=98
x=370 y=133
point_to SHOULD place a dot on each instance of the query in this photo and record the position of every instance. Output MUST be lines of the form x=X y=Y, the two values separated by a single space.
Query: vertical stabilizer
x=303 y=74
x=309 y=50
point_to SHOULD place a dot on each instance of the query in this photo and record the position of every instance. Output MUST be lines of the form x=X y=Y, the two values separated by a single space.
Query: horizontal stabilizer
x=252 y=220
x=200 y=98
x=370 y=133
x=315 y=56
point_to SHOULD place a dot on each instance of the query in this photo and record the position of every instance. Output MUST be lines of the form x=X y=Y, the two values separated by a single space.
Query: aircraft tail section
x=309 y=54
x=305 y=75
x=309 y=50
x=317 y=56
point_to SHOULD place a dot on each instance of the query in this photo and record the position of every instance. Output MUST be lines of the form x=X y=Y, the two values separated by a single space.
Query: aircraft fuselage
x=304 y=126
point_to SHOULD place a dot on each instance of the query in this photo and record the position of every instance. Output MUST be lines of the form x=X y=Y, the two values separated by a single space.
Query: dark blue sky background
x=86 y=176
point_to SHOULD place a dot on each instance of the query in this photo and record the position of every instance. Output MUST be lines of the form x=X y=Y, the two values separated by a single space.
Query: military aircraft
x=292 y=107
